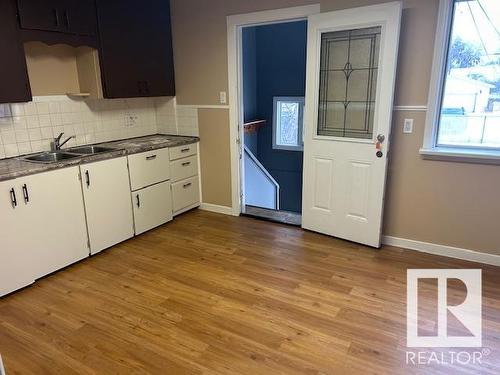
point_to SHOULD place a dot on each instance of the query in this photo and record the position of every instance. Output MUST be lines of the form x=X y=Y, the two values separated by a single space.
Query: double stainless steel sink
x=71 y=153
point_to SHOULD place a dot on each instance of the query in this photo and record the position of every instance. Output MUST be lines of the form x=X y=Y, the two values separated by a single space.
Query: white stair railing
x=261 y=189
x=2 y=369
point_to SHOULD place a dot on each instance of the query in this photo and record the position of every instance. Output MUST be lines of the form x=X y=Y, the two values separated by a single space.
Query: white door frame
x=235 y=25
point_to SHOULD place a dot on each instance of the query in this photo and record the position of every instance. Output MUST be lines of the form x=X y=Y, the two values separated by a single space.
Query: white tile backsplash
x=30 y=127
x=187 y=120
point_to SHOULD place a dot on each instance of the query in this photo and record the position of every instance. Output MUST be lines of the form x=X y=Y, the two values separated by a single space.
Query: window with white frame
x=288 y=123
x=465 y=107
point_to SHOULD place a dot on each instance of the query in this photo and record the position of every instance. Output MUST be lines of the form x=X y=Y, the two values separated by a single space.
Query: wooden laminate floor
x=213 y=294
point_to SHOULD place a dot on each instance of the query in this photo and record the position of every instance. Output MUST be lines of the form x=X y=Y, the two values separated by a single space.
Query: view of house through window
x=470 y=111
x=287 y=125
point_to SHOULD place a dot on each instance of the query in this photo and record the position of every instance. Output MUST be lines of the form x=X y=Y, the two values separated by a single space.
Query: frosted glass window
x=287 y=123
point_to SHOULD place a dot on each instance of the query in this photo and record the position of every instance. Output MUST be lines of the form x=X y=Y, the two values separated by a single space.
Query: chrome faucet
x=57 y=144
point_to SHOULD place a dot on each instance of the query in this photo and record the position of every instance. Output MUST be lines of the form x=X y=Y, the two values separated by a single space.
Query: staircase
x=261 y=189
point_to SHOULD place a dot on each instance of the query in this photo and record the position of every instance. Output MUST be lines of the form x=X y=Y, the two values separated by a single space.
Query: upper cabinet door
x=41 y=15
x=77 y=17
x=13 y=72
x=81 y=17
x=136 y=48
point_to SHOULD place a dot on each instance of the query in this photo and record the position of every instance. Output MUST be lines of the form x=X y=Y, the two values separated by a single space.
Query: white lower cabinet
x=152 y=207
x=16 y=269
x=185 y=194
x=55 y=219
x=42 y=226
x=148 y=168
x=47 y=224
x=106 y=191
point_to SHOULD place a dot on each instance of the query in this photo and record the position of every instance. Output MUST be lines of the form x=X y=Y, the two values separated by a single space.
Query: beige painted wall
x=62 y=69
x=215 y=156
x=440 y=202
x=52 y=69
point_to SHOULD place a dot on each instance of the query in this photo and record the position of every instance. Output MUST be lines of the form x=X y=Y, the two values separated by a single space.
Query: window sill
x=461 y=155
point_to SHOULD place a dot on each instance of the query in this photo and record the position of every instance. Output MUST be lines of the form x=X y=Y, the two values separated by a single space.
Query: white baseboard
x=216 y=208
x=446 y=251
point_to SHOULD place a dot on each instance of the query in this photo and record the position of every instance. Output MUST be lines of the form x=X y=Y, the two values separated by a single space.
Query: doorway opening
x=273 y=76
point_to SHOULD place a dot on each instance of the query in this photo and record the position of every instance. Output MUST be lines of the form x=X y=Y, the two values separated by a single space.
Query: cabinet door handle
x=56 y=16
x=138 y=201
x=13 y=198
x=186 y=163
x=185 y=149
x=151 y=157
x=87 y=178
x=187 y=185
x=26 y=194
x=66 y=18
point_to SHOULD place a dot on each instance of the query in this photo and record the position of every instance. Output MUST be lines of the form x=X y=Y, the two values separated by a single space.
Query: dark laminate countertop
x=17 y=167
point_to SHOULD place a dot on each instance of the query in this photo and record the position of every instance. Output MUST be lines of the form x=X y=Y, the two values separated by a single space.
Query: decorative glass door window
x=287 y=123
x=348 y=82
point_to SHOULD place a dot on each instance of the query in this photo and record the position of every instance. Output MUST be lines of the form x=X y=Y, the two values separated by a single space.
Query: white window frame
x=291 y=99
x=430 y=149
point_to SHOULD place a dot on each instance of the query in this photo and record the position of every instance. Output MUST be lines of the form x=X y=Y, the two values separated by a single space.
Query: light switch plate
x=223 y=97
x=408 y=126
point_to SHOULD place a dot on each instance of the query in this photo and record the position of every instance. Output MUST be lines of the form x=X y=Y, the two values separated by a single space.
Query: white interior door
x=351 y=67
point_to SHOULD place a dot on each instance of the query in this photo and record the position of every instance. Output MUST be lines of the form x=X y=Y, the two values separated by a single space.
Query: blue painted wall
x=250 y=84
x=280 y=70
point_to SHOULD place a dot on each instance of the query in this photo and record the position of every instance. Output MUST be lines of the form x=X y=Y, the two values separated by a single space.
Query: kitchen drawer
x=148 y=168
x=185 y=193
x=183 y=151
x=184 y=168
x=152 y=207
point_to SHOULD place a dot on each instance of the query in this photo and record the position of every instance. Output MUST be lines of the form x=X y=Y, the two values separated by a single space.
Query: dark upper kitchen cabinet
x=135 y=48
x=40 y=15
x=14 y=85
x=82 y=17
x=72 y=22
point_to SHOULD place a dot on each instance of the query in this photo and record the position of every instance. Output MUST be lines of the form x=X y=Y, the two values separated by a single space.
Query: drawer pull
x=187 y=185
x=138 y=201
x=151 y=157
x=13 y=198
x=185 y=149
x=186 y=163
x=26 y=194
